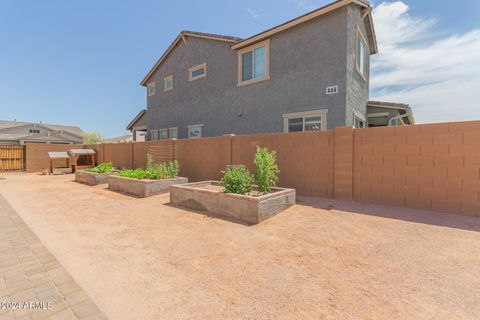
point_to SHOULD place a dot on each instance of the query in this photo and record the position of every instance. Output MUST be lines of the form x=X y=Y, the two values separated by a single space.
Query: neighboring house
x=18 y=133
x=126 y=138
x=310 y=73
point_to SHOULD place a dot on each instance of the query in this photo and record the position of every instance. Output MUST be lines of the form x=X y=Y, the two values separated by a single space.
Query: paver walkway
x=33 y=285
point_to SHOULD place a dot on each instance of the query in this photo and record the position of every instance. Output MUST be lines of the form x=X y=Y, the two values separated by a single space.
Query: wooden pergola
x=63 y=155
x=82 y=158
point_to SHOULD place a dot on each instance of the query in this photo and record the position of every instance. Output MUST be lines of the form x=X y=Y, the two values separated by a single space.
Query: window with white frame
x=361 y=54
x=34 y=131
x=254 y=63
x=163 y=134
x=197 y=72
x=151 y=89
x=173 y=132
x=305 y=121
x=195 y=131
x=168 y=83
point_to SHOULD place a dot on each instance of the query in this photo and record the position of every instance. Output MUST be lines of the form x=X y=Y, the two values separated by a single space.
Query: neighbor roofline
x=182 y=36
x=137 y=117
x=294 y=22
x=42 y=126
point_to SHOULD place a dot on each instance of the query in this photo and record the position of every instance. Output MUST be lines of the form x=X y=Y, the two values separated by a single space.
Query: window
x=163 y=134
x=254 y=63
x=361 y=55
x=305 y=121
x=197 y=72
x=153 y=134
x=151 y=89
x=173 y=133
x=359 y=121
x=168 y=83
x=34 y=131
x=195 y=131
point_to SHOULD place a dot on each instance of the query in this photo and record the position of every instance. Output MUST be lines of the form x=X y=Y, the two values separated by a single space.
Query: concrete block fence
x=434 y=167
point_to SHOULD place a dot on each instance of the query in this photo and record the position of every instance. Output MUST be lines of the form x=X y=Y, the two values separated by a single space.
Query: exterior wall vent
x=332 y=90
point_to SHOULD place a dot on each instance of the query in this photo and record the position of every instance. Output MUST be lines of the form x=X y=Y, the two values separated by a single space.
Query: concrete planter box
x=208 y=196
x=142 y=188
x=92 y=178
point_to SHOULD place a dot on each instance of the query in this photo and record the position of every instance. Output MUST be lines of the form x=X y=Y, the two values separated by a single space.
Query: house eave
x=137 y=117
x=299 y=20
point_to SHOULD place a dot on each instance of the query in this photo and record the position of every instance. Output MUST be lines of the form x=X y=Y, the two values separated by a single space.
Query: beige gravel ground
x=142 y=259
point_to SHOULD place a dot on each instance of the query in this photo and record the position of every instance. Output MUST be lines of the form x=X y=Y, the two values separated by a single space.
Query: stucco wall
x=304 y=60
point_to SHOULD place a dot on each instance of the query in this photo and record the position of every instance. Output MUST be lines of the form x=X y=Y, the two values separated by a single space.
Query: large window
x=197 y=72
x=361 y=55
x=195 y=131
x=305 y=121
x=359 y=121
x=163 y=134
x=253 y=63
x=173 y=133
x=151 y=89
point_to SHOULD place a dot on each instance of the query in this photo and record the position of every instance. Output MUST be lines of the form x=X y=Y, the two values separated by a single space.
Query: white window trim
x=154 y=89
x=265 y=43
x=192 y=69
x=314 y=113
x=165 y=81
x=361 y=37
x=195 y=126
x=379 y=114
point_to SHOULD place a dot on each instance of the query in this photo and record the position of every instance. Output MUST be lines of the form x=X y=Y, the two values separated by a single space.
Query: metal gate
x=12 y=158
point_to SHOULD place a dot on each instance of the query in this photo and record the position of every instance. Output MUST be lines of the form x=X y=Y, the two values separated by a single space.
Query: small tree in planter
x=266 y=173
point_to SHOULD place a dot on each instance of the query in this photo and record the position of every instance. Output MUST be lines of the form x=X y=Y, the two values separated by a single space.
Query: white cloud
x=252 y=13
x=438 y=74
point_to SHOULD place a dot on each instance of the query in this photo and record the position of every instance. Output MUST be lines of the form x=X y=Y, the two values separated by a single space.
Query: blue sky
x=81 y=62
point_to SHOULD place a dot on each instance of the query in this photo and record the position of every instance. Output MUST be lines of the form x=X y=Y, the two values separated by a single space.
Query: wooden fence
x=12 y=158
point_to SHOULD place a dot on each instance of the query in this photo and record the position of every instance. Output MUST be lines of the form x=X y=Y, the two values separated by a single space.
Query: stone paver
x=33 y=284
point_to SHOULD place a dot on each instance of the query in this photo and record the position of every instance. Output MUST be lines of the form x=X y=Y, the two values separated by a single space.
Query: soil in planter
x=219 y=188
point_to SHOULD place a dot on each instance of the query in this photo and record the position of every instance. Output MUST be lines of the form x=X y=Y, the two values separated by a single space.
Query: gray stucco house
x=310 y=73
x=19 y=133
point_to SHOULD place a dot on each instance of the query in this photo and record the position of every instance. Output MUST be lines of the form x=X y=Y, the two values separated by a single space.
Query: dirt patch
x=143 y=259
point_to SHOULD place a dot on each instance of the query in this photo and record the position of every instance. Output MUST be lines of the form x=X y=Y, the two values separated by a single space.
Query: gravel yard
x=320 y=259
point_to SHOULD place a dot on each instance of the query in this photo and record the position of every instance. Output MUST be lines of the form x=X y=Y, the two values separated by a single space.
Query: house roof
x=182 y=36
x=314 y=14
x=402 y=107
x=137 y=117
x=6 y=124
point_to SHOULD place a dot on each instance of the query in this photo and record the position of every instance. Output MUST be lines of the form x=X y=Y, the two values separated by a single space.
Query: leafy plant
x=237 y=180
x=105 y=167
x=266 y=173
x=153 y=171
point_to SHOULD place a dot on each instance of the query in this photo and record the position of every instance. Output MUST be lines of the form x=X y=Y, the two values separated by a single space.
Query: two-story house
x=310 y=73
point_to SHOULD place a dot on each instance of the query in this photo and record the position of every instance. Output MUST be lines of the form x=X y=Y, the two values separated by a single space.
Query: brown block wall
x=120 y=155
x=37 y=154
x=306 y=159
x=343 y=176
x=202 y=159
x=433 y=167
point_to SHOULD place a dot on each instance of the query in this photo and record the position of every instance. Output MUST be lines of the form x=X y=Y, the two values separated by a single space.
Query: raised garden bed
x=92 y=178
x=143 y=187
x=208 y=196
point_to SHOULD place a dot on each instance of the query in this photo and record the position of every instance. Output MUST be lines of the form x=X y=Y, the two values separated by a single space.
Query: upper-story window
x=254 y=63
x=197 y=72
x=34 y=131
x=168 y=83
x=151 y=89
x=361 y=55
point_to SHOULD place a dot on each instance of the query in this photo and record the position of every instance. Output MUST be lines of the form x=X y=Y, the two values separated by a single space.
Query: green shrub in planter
x=237 y=180
x=266 y=169
x=105 y=167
